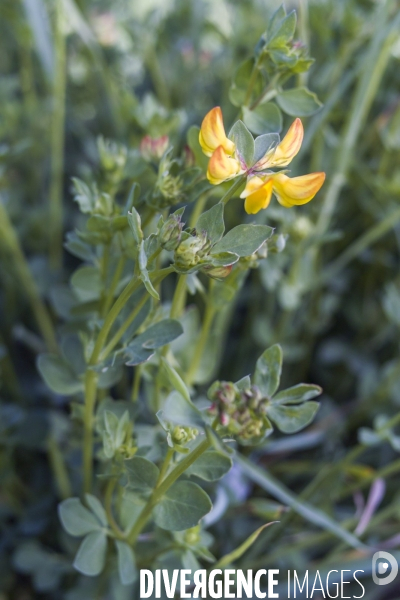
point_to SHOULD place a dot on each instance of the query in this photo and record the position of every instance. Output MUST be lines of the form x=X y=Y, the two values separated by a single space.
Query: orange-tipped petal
x=212 y=133
x=221 y=167
x=297 y=190
x=257 y=194
x=287 y=149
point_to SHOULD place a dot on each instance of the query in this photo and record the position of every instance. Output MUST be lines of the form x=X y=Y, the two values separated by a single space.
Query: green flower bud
x=216 y=272
x=191 y=251
x=171 y=232
x=183 y=435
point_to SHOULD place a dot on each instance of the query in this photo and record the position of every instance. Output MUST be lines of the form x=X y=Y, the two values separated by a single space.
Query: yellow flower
x=212 y=134
x=289 y=192
x=221 y=167
x=285 y=152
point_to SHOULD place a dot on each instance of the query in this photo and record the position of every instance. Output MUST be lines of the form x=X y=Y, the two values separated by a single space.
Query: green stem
x=108 y=499
x=115 y=280
x=375 y=65
x=165 y=466
x=357 y=247
x=118 y=335
x=91 y=376
x=59 y=469
x=159 y=491
x=57 y=140
x=178 y=301
x=201 y=344
x=91 y=379
x=226 y=197
x=10 y=242
x=198 y=208
x=252 y=81
x=157 y=76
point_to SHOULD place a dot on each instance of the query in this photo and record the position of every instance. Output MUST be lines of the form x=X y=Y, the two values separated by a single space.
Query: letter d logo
x=385 y=559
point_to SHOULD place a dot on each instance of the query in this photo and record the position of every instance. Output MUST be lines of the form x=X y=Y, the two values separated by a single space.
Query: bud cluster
x=241 y=412
x=183 y=435
x=192 y=250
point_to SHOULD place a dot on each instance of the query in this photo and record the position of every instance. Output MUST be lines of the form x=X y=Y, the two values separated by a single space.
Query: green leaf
x=298 y=102
x=160 y=334
x=290 y=419
x=223 y=259
x=142 y=475
x=177 y=410
x=97 y=508
x=298 y=394
x=265 y=118
x=268 y=370
x=210 y=466
x=176 y=381
x=283 y=32
x=76 y=519
x=244 y=383
x=212 y=221
x=87 y=283
x=243 y=240
x=58 y=375
x=126 y=563
x=91 y=555
x=311 y=513
x=181 y=507
x=275 y=22
x=240 y=83
x=230 y=558
x=133 y=197
x=216 y=441
x=135 y=225
x=144 y=276
x=83 y=196
x=244 y=142
x=264 y=143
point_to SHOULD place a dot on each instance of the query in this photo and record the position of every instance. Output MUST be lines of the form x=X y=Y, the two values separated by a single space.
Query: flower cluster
x=226 y=163
x=242 y=412
x=181 y=436
x=153 y=149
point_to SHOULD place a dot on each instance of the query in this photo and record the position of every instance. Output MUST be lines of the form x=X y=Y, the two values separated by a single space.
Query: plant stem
x=165 y=465
x=119 y=534
x=10 y=242
x=57 y=139
x=159 y=491
x=91 y=379
x=375 y=65
x=228 y=195
x=59 y=469
x=118 y=335
x=179 y=298
x=91 y=376
x=363 y=242
x=201 y=343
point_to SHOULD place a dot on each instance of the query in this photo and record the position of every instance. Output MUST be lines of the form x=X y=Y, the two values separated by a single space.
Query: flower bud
x=183 y=435
x=217 y=272
x=191 y=251
x=171 y=232
x=152 y=149
x=113 y=156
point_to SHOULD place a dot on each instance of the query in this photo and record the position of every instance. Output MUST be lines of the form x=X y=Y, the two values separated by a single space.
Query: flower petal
x=286 y=150
x=212 y=133
x=258 y=194
x=221 y=167
x=297 y=190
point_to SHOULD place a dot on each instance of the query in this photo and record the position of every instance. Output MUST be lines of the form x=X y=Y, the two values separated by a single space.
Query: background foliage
x=328 y=292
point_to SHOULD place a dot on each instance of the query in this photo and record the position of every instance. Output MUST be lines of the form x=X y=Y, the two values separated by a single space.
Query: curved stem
x=159 y=491
x=57 y=139
x=201 y=344
x=225 y=199
x=119 y=534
